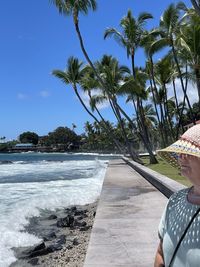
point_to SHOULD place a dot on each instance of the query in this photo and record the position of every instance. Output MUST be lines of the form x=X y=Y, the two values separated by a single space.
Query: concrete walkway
x=124 y=233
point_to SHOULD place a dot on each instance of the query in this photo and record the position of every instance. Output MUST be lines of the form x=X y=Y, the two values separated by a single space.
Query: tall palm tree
x=189 y=41
x=134 y=88
x=131 y=34
x=113 y=74
x=73 y=75
x=130 y=37
x=74 y=7
x=168 y=31
x=146 y=43
x=164 y=71
x=89 y=83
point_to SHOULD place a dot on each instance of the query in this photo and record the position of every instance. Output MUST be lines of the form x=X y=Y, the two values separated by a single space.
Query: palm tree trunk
x=145 y=132
x=108 y=131
x=165 y=140
x=92 y=115
x=168 y=115
x=181 y=79
x=177 y=106
x=160 y=125
x=197 y=74
x=181 y=112
x=175 y=96
x=144 y=140
x=132 y=153
x=86 y=54
x=133 y=64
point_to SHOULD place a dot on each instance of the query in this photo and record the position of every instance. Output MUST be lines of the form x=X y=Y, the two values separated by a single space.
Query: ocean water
x=30 y=182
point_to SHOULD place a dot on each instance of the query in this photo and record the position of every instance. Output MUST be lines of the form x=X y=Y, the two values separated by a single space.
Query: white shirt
x=174 y=221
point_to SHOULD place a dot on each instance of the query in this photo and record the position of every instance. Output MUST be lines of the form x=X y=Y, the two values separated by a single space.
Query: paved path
x=125 y=229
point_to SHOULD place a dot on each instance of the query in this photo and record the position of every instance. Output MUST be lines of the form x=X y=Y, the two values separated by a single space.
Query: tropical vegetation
x=158 y=117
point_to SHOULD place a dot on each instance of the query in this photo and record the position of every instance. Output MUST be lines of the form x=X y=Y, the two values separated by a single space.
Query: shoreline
x=64 y=235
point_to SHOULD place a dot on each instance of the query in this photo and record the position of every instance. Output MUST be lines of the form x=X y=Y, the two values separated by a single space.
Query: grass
x=164 y=168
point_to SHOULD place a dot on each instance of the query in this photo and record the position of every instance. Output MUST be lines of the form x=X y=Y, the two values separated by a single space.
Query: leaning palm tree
x=73 y=75
x=74 y=8
x=90 y=85
x=113 y=74
x=134 y=89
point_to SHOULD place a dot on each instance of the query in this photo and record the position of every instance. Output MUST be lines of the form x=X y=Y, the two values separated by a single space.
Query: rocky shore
x=64 y=238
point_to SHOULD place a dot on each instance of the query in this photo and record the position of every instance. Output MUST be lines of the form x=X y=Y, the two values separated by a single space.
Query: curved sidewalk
x=124 y=233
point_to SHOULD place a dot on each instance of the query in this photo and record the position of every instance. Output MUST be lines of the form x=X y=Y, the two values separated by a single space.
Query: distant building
x=24 y=147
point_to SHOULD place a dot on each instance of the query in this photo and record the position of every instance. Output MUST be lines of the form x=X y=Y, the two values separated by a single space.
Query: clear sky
x=35 y=39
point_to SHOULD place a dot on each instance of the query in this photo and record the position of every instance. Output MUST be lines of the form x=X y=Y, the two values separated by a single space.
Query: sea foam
x=68 y=183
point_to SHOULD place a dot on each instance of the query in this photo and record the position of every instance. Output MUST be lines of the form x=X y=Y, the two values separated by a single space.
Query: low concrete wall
x=163 y=183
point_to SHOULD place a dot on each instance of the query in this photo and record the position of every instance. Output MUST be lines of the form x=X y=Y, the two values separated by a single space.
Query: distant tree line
x=94 y=139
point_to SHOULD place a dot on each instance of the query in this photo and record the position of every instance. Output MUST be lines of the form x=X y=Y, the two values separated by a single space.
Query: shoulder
x=179 y=194
x=178 y=198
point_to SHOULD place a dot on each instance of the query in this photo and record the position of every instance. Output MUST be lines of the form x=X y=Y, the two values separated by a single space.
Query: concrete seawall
x=124 y=233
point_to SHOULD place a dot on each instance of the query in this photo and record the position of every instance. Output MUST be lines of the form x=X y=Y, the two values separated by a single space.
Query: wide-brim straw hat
x=189 y=143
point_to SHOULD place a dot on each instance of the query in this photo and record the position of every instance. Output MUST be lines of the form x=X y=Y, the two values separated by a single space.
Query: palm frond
x=61 y=75
x=143 y=17
x=181 y=6
x=61 y=6
x=158 y=45
x=67 y=7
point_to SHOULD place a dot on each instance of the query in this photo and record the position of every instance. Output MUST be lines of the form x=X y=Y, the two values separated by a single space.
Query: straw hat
x=189 y=143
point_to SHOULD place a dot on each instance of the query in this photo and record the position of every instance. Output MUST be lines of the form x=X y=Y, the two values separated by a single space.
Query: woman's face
x=190 y=168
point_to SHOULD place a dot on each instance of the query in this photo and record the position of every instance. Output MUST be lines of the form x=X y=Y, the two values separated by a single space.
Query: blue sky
x=35 y=39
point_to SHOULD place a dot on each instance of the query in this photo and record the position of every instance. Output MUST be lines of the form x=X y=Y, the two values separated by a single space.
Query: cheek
x=193 y=172
x=186 y=171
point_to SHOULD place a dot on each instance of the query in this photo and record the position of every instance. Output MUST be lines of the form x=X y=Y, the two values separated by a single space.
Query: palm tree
x=130 y=38
x=146 y=43
x=113 y=74
x=163 y=72
x=150 y=116
x=134 y=88
x=73 y=75
x=189 y=41
x=131 y=35
x=168 y=30
x=74 y=7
